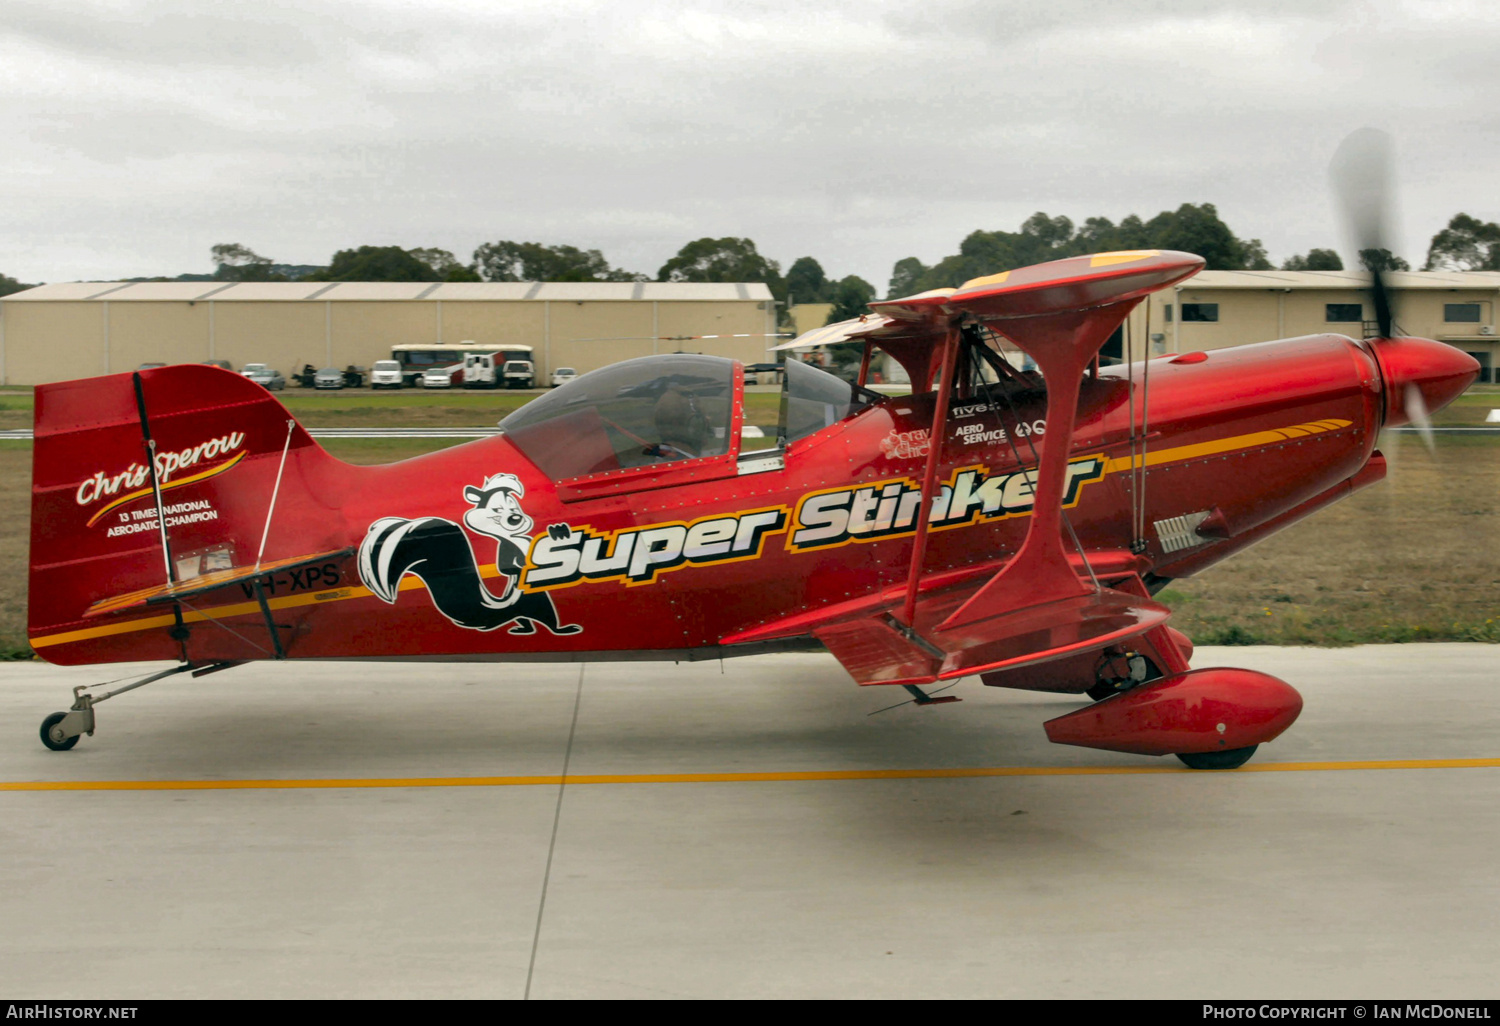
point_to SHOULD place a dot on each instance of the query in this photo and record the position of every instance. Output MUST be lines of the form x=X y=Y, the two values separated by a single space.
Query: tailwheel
x=53 y=735
x=1231 y=758
x=61 y=730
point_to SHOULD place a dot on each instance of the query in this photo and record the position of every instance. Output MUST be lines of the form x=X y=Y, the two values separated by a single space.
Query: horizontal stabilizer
x=210 y=581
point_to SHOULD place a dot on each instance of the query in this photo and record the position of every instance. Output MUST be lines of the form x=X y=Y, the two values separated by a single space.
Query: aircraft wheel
x=1232 y=758
x=52 y=742
x=1142 y=671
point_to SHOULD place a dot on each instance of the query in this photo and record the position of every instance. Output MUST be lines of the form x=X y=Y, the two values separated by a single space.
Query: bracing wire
x=911 y=701
x=270 y=509
x=224 y=626
x=1135 y=530
x=1145 y=424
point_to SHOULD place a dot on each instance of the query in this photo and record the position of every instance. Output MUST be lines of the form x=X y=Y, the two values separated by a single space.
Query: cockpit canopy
x=662 y=409
x=813 y=399
x=643 y=412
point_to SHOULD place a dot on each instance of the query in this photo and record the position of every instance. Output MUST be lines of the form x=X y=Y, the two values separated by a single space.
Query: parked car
x=221 y=364
x=443 y=377
x=519 y=374
x=328 y=377
x=386 y=374
x=264 y=376
x=762 y=373
x=563 y=375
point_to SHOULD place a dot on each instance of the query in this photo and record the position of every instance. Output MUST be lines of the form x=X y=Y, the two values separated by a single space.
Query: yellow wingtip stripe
x=1124 y=256
x=989 y=279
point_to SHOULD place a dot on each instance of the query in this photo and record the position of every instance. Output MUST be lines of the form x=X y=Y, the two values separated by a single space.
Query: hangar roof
x=1341 y=280
x=366 y=291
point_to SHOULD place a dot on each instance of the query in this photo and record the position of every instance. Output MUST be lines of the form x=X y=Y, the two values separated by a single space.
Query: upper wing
x=855 y=329
x=1058 y=286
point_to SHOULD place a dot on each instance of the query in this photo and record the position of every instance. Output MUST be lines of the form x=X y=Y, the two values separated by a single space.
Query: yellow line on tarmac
x=722 y=778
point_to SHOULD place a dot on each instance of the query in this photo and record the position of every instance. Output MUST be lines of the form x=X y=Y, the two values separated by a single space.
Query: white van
x=385 y=374
x=479 y=370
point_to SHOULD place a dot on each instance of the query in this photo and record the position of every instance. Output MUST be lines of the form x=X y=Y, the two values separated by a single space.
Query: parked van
x=519 y=374
x=479 y=371
x=386 y=374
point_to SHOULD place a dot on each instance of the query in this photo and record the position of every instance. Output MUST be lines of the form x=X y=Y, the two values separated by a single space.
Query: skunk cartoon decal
x=438 y=552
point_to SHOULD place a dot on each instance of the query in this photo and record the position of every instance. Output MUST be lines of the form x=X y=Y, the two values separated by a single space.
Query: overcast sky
x=135 y=135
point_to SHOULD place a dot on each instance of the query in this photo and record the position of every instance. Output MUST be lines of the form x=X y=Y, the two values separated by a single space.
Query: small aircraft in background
x=1006 y=524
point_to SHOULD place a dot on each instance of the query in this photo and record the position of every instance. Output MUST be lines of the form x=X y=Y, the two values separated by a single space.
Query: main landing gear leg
x=61 y=730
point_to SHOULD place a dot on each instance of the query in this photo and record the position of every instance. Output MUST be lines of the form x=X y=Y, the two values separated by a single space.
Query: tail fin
x=95 y=534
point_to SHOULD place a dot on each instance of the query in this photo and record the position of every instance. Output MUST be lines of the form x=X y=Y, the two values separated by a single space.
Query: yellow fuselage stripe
x=1111 y=466
x=725 y=778
x=1219 y=446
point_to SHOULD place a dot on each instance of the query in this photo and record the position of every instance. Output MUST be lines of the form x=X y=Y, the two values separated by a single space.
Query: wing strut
x=1063 y=345
x=929 y=476
x=1036 y=607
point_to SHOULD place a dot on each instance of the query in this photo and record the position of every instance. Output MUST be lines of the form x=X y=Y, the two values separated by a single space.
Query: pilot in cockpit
x=680 y=426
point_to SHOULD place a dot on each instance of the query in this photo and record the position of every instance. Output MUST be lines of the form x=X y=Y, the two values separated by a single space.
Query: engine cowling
x=1210 y=710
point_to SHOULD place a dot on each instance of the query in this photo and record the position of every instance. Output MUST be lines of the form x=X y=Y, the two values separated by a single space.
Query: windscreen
x=812 y=399
x=644 y=412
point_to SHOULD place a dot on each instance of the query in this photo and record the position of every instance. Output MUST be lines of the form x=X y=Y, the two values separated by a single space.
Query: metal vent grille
x=1180 y=532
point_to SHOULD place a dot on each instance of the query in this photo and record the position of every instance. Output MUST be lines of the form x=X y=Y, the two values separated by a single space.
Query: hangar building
x=80 y=329
x=77 y=329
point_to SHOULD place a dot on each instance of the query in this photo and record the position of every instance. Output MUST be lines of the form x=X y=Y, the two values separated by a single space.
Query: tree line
x=1465 y=244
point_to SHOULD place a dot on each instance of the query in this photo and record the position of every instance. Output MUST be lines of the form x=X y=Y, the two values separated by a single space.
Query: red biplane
x=1002 y=523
